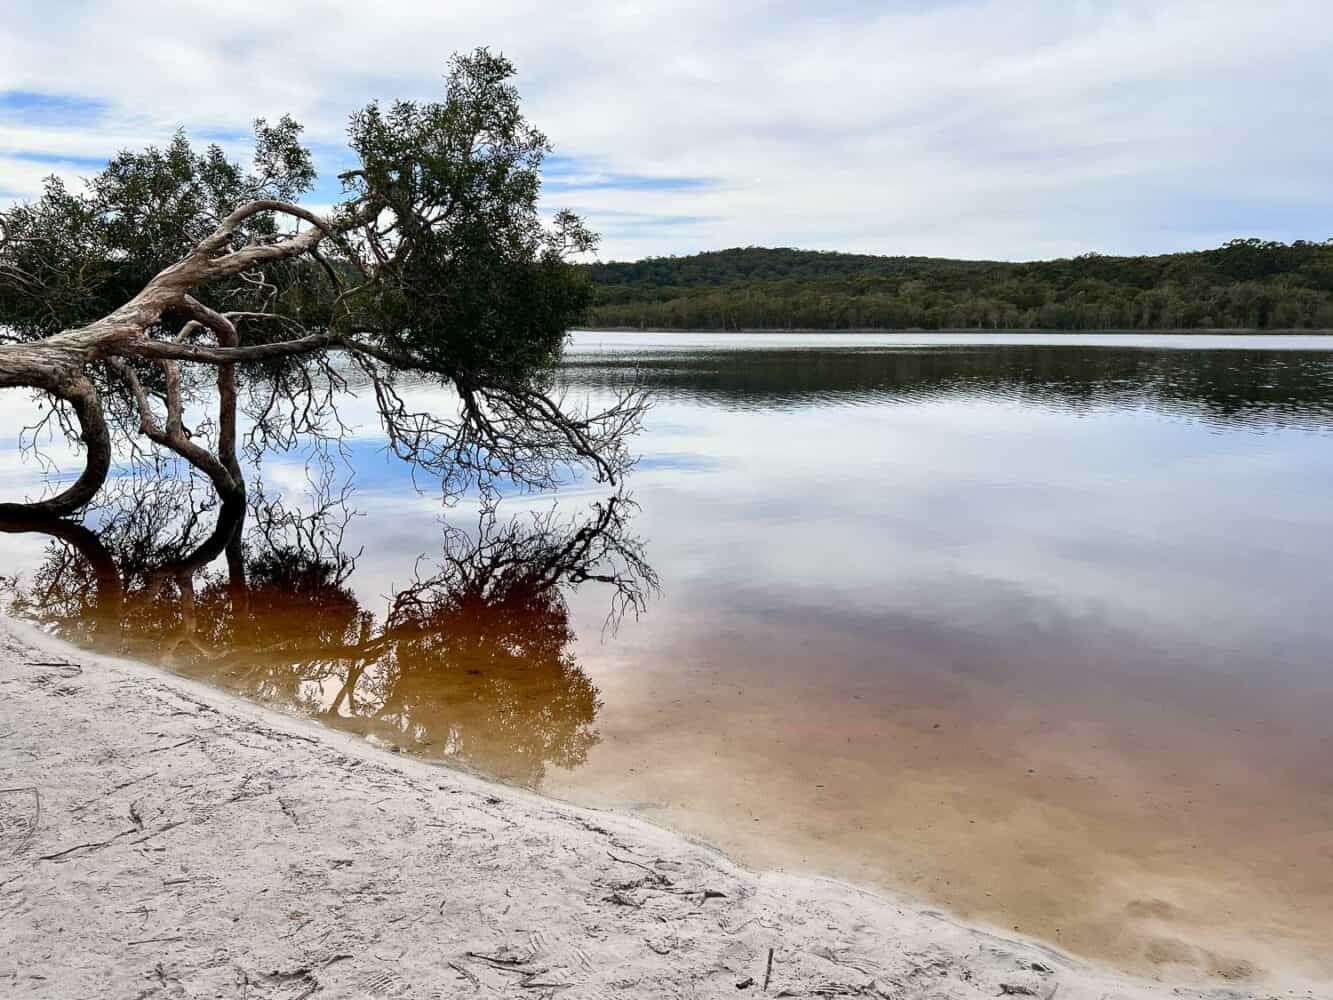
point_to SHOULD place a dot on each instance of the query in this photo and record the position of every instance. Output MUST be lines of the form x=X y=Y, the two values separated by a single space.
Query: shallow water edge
x=353 y=867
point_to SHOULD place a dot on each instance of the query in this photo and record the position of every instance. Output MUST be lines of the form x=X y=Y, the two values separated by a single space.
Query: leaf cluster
x=73 y=256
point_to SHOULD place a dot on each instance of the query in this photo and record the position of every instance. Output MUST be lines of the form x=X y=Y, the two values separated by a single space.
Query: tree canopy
x=1246 y=284
x=178 y=287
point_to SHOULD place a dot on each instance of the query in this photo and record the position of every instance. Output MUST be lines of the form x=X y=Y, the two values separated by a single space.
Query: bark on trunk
x=57 y=363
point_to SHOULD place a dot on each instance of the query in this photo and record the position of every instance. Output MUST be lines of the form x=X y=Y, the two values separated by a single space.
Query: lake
x=1032 y=627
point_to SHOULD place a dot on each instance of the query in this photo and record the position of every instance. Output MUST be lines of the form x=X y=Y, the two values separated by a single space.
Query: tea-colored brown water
x=1035 y=630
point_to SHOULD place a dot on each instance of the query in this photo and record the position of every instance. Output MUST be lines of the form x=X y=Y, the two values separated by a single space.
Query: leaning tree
x=177 y=289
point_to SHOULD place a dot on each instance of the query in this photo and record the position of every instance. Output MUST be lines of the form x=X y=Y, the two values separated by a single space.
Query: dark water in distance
x=1034 y=627
x=1261 y=388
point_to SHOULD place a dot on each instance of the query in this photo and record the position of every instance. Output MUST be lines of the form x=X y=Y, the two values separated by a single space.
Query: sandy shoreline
x=159 y=838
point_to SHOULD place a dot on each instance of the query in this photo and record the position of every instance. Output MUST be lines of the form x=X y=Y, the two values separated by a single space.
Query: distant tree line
x=1246 y=284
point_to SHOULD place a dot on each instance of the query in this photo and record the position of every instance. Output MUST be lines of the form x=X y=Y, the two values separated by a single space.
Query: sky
x=1001 y=129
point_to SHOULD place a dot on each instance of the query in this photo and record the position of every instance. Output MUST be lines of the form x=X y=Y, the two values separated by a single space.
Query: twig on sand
x=498 y=962
x=661 y=879
x=465 y=974
x=527 y=974
x=173 y=746
x=768 y=970
x=78 y=670
x=161 y=829
x=704 y=893
x=278 y=734
x=92 y=846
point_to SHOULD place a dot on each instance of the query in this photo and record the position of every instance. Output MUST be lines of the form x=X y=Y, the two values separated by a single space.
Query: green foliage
x=453 y=272
x=1246 y=284
x=174 y=274
x=476 y=285
x=69 y=257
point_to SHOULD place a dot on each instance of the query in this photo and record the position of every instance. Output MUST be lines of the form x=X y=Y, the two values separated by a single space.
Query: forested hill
x=1246 y=284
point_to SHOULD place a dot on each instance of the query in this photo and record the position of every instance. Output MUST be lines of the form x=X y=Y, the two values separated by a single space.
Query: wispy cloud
x=628 y=182
x=985 y=128
x=614 y=225
x=566 y=173
x=59 y=159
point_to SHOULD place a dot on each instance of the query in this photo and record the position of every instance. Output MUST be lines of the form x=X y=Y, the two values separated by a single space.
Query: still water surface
x=1036 y=628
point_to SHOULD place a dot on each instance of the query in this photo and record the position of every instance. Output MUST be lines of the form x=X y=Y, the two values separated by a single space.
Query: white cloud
x=995 y=128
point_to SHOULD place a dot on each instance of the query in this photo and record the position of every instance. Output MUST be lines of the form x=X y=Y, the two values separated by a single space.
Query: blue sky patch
x=62 y=159
x=627 y=182
x=30 y=108
x=568 y=173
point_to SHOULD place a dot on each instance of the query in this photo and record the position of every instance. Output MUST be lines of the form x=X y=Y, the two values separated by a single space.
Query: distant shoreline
x=972 y=331
x=1243 y=285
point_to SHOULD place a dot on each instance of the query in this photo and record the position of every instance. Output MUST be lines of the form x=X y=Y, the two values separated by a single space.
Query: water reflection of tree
x=1246 y=387
x=473 y=660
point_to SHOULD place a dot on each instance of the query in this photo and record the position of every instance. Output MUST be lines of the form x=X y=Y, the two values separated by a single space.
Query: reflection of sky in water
x=953 y=501
x=992 y=515
x=1165 y=520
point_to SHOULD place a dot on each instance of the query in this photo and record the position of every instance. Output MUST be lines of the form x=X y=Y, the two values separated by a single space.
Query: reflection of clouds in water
x=21 y=471
x=677 y=462
x=1187 y=532
x=1075 y=515
x=1184 y=531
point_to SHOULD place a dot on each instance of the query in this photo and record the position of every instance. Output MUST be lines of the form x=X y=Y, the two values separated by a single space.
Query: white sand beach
x=159 y=838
